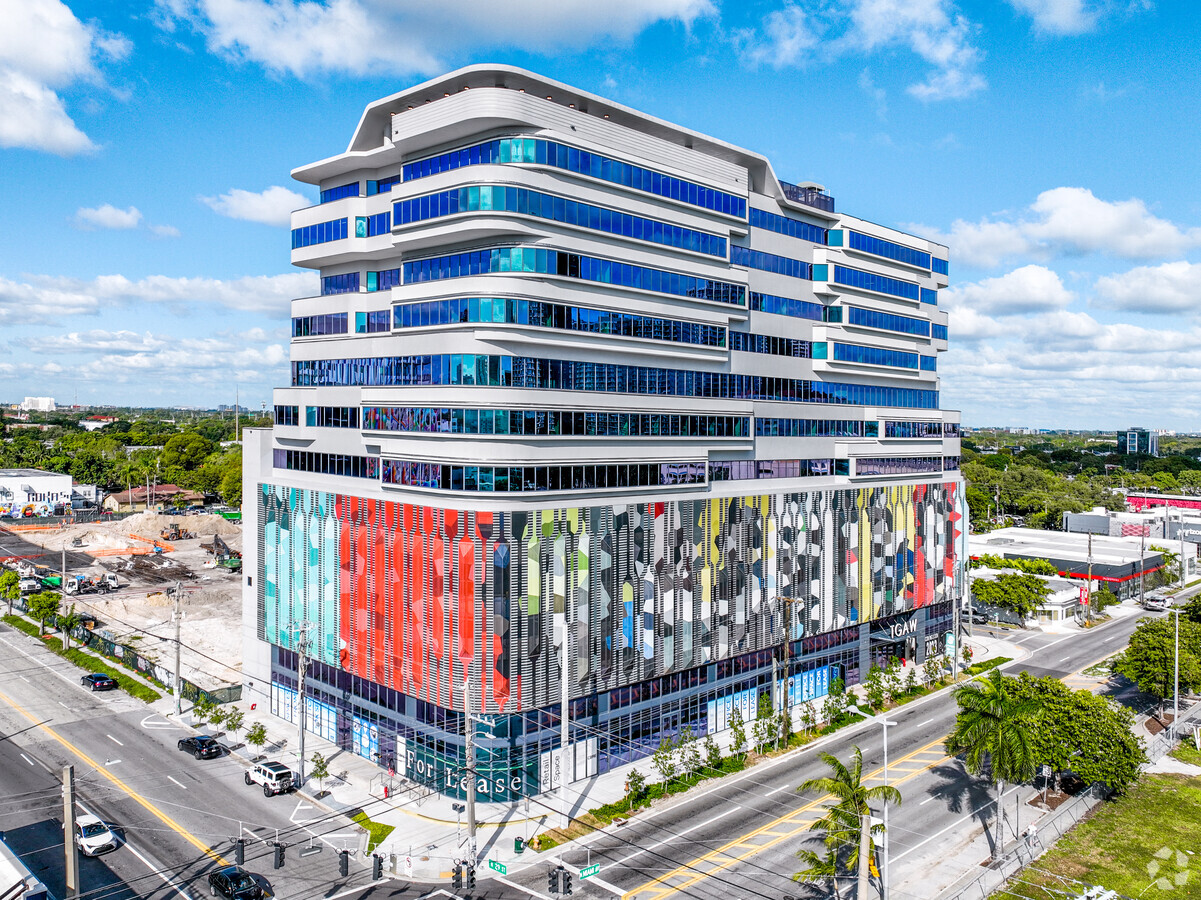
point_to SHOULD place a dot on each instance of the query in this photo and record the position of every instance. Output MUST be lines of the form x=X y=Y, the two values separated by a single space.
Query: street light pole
x=1176 y=675
x=885 y=725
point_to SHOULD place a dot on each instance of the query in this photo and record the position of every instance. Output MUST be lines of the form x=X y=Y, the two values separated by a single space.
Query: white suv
x=276 y=778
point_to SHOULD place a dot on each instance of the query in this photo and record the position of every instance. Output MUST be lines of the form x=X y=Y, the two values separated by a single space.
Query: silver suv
x=276 y=778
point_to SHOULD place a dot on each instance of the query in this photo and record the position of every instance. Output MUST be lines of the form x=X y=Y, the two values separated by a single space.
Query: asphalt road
x=177 y=815
x=733 y=840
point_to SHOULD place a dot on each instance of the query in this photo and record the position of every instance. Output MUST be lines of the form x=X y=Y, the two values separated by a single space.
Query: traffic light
x=279 y=855
x=457 y=878
x=566 y=883
x=377 y=867
x=552 y=881
x=470 y=877
x=343 y=863
x=239 y=850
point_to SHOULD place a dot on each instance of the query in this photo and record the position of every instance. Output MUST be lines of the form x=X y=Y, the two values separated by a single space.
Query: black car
x=235 y=883
x=202 y=746
x=98 y=682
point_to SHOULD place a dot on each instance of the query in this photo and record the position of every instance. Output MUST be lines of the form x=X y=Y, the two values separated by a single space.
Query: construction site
x=124 y=575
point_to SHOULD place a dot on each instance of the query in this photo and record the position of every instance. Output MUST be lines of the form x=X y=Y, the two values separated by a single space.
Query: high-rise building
x=1138 y=440
x=584 y=388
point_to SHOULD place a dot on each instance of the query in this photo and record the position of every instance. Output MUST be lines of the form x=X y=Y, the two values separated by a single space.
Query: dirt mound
x=150 y=524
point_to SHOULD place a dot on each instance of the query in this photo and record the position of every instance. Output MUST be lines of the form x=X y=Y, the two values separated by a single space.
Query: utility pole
x=1088 y=612
x=1176 y=674
x=302 y=665
x=177 y=619
x=1142 y=541
x=469 y=746
x=72 y=852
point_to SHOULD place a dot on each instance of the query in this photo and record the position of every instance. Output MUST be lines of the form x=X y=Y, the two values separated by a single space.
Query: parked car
x=977 y=616
x=93 y=837
x=235 y=883
x=98 y=682
x=275 y=777
x=201 y=746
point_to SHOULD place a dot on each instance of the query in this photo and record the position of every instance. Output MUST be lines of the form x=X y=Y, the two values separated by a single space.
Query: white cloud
x=929 y=29
x=272 y=206
x=1169 y=288
x=107 y=216
x=878 y=95
x=303 y=37
x=1058 y=16
x=50 y=298
x=45 y=48
x=1025 y=290
x=164 y=231
x=1065 y=221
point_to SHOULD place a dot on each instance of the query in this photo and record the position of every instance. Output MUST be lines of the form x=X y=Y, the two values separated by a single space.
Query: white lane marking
x=157 y=870
x=782 y=787
x=114 y=740
x=925 y=723
x=39 y=662
x=23 y=678
x=678 y=834
x=64 y=706
x=184 y=786
x=956 y=824
x=27 y=759
x=262 y=840
x=113 y=762
x=515 y=885
x=927 y=800
x=159 y=725
x=1108 y=639
x=594 y=880
x=1065 y=659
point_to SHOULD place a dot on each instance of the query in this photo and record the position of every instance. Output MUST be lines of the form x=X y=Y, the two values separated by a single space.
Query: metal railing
x=808 y=196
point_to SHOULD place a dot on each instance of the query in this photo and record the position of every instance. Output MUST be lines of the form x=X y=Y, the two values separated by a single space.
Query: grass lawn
x=1186 y=752
x=378 y=831
x=1128 y=845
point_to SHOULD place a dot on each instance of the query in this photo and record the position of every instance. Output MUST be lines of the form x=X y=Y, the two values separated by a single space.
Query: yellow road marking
x=711 y=861
x=150 y=807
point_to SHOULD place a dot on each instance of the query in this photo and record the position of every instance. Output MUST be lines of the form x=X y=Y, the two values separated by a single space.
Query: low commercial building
x=1114 y=563
x=32 y=491
x=1062 y=603
x=156 y=496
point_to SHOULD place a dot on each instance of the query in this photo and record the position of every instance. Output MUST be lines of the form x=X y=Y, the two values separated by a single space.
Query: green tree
x=187 y=450
x=873 y=687
x=1020 y=593
x=1149 y=660
x=635 y=788
x=256 y=736
x=203 y=709
x=932 y=669
x=319 y=769
x=10 y=588
x=765 y=726
x=892 y=680
x=808 y=717
x=1080 y=732
x=846 y=823
x=712 y=754
x=219 y=716
x=1102 y=599
x=834 y=707
x=991 y=731
x=68 y=622
x=664 y=760
x=737 y=732
x=911 y=680
x=233 y=720
x=44 y=605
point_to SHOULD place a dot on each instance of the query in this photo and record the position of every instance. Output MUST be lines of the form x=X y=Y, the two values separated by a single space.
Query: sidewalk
x=428 y=830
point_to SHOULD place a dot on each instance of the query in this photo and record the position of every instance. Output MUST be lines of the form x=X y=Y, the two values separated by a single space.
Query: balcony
x=809 y=194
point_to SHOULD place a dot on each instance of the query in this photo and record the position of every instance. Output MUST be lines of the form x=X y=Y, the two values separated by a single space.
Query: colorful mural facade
x=419 y=598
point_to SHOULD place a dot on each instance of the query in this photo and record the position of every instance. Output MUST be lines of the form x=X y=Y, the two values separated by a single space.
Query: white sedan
x=93 y=837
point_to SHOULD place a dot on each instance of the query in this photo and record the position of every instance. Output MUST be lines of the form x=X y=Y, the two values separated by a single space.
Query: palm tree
x=990 y=731
x=847 y=822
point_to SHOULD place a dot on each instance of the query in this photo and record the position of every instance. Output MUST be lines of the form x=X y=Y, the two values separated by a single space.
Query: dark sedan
x=98 y=682
x=202 y=747
x=235 y=883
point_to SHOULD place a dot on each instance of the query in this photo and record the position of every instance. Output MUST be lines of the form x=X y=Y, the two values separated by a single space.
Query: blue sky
x=145 y=151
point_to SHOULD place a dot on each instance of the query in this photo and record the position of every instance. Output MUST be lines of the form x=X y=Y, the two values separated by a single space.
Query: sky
x=1053 y=145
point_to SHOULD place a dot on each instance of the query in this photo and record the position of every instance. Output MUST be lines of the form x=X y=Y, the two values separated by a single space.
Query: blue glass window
x=545 y=422
x=938 y=332
x=869 y=281
x=873 y=318
x=787 y=306
x=784 y=225
x=372 y=322
x=342 y=190
x=287 y=415
x=380 y=223
x=321 y=233
x=559 y=209
x=383 y=281
x=572 y=265
x=913 y=429
x=843 y=428
x=888 y=249
x=875 y=356
x=560 y=156
x=745 y=469
x=767 y=343
x=929 y=363
x=941 y=266
x=929 y=296
x=770 y=262
x=950 y=429
x=333 y=416
x=509 y=311
x=495 y=479
x=324 y=323
x=897 y=465
x=340 y=284
x=540 y=373
x=327 y=463
x=383 y=186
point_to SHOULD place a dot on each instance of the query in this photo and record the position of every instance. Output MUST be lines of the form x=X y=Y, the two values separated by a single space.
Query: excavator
x=225 y=557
